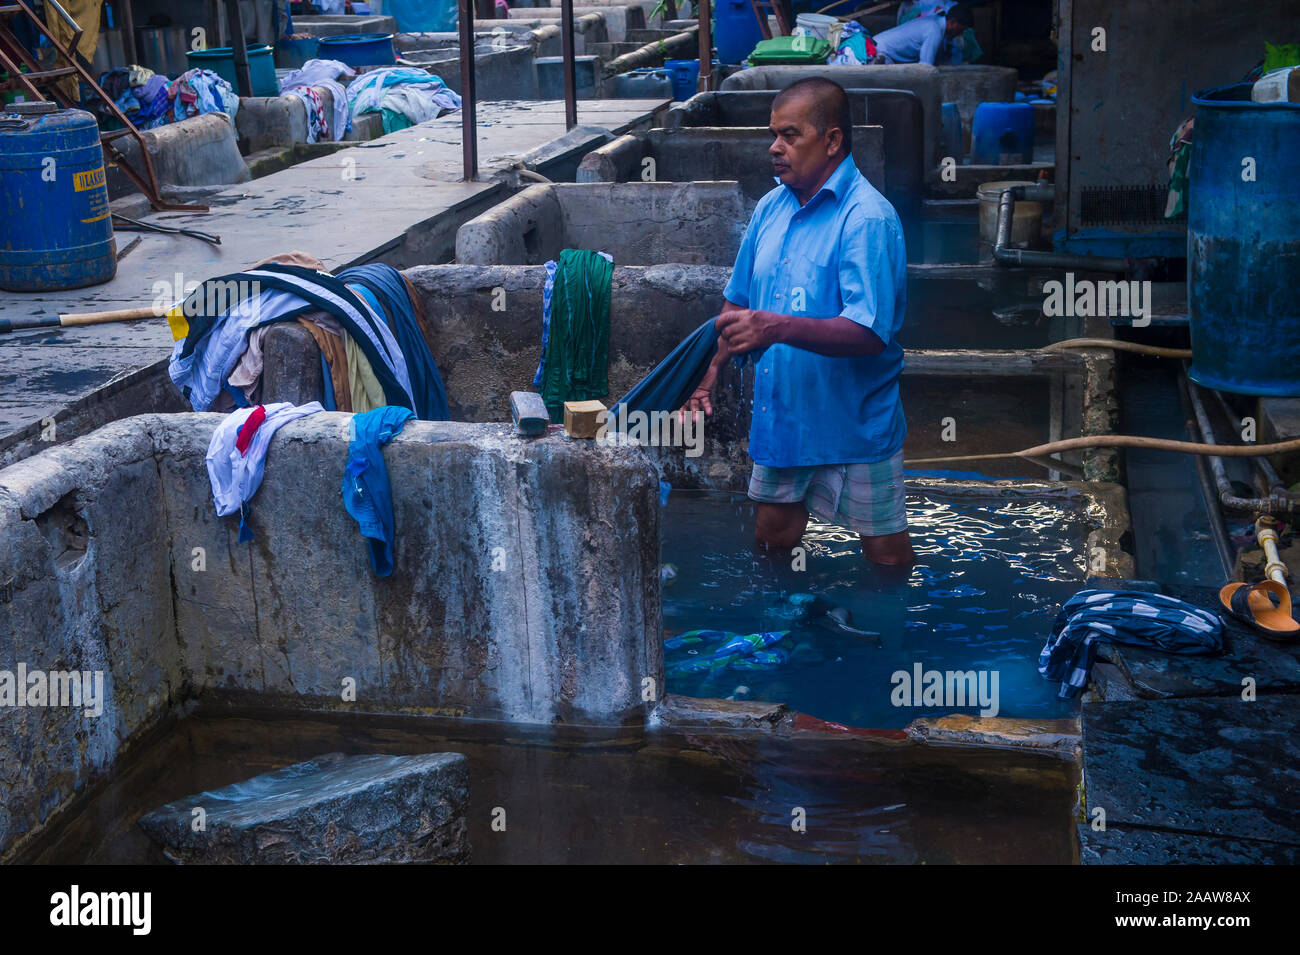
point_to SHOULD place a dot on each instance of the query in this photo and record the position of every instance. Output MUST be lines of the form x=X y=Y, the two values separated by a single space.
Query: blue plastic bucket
x=358 y=49
x=221 y=60
x=1243 y=244
x=1002 y=134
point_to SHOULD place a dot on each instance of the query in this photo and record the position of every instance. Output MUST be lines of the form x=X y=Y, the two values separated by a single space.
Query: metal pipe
x=1273 y=504
x=243 y=75
x=1209 y=493
x=1066 y=260
x=705 y=82
x=468 y=113
x=1272 y=480
x=1266 y=535
x=570 y=70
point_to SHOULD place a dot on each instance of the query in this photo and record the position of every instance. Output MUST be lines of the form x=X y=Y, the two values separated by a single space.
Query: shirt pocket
x=815 y=273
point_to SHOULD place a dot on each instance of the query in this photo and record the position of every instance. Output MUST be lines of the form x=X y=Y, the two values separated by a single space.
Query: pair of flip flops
x=1264 y=607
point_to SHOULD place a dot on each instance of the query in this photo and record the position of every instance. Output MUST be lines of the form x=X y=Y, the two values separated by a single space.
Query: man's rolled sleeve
x=867 y=275
x=742 y=273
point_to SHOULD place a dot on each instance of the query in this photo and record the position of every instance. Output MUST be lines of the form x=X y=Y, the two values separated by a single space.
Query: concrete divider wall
x=199 y=150
x=922 y=79
x=701 y=153
x=526 y=586
x=617 y=19
x=639 y=223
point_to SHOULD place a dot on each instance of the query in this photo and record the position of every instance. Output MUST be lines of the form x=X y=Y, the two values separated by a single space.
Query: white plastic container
x=818 y=25
x=1280 y=86
x=1026 y=217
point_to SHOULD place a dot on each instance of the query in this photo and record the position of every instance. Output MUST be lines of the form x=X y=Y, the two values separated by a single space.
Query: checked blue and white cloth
x=1132 y=617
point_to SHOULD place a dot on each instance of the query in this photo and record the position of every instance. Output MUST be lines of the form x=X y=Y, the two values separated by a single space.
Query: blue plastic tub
x=221 y=60
x=358 y=49
x=1243 y=244
x=1002 y=134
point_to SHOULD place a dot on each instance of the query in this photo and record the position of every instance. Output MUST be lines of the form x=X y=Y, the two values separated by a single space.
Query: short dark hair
x=828 y=106
x=961 y=12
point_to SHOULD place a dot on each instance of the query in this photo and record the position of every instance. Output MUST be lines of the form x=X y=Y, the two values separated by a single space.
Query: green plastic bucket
x=221 y=60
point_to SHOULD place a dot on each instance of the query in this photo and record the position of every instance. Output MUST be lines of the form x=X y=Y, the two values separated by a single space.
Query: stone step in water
x=334 y=809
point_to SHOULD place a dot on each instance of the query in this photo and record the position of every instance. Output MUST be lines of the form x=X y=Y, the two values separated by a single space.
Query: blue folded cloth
x=1131 y=617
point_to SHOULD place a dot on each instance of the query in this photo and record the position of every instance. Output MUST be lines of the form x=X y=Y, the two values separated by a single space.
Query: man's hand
x=745 y=330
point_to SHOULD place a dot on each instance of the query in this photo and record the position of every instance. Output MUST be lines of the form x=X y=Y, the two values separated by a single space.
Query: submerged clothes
x=577 y=341
x=1131 y=617
x=366 y=492
x=236 y=457
x=396 y=304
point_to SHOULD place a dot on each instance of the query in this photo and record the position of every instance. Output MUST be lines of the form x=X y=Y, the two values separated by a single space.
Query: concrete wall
x=97 y=559
x=198 y=151
x=618 y=19
x=921 y=79
x=972 y=84
x=640 y=223
x=588 y=28
x=702 y=153
x=500 y=73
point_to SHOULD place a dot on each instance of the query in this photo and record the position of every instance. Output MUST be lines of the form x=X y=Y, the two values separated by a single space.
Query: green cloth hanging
x=577 y=350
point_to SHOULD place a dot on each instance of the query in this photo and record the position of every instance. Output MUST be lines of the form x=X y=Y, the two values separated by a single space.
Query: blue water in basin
x=991 y=574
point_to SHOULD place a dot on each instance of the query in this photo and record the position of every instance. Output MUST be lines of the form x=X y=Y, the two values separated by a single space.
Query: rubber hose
x=1134 y=347
x=1128 y=441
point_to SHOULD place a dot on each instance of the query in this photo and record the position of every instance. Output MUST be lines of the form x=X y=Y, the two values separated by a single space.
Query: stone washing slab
x=1123 y=846
x=332 y=810
x=1213 y=767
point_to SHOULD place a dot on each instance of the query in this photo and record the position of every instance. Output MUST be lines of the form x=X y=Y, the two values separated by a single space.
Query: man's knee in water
x=780 y=528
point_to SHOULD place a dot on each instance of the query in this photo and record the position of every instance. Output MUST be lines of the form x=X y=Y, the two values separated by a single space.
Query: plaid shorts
x=868 y=499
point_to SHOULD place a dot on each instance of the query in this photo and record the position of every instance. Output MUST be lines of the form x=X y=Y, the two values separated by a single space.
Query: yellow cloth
x=366 y=391
x=86 y=13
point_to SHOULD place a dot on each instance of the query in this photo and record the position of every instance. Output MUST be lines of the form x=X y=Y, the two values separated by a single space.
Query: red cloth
x=249 y=428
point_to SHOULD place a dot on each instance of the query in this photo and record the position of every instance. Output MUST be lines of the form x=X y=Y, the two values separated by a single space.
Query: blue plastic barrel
x=736 y=31
x=358 y=49
x=1002 y=134
x=56 y=229
x=1243 y=244
x=221 y=60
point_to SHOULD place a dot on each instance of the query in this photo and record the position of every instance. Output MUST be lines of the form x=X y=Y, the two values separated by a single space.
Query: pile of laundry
x=365 y=321
x=856 y=48
x=150 y=100
x=375 y=362
x=304 y=84
x=402 y=95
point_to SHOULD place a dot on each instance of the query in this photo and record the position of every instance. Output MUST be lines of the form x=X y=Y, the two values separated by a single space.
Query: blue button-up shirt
x=840 y=254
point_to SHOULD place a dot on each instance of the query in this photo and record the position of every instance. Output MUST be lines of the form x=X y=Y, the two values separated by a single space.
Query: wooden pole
x=570 y=69
x=468 y=112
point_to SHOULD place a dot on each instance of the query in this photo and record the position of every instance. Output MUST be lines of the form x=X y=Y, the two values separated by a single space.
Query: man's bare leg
x=889 y=550
x=781 y=526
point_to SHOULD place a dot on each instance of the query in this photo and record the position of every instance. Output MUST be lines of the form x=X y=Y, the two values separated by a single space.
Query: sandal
x=1255 y=607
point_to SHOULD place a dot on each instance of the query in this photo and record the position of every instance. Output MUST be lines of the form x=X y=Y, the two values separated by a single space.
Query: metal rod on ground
x=706 y=46
x=570 y=69
x=1213 y=506
x=243 y=76
x=468 y=113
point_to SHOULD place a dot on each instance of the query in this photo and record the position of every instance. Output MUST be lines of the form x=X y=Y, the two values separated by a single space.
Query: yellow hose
x=1127 y=441
x=1134 y=347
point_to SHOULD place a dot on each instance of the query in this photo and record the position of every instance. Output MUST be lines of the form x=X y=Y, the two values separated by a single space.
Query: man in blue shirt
x=818 y=293
x=923 y=39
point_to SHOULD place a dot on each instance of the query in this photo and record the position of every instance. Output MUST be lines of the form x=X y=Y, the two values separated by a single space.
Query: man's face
x=800 y=155
x=953 y=29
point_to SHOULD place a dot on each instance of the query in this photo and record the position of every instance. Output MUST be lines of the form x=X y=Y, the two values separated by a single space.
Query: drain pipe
x=1277 y=502
x=1066 y=260
x=1209 y=493
x=1273 y=480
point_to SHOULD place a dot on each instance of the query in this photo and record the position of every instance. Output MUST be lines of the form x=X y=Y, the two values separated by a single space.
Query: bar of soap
x=582 y=419
x=529 y=413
